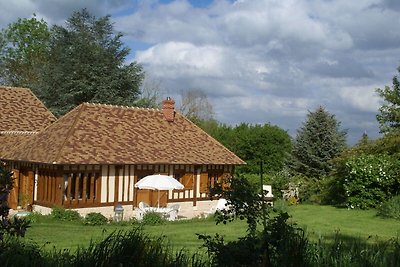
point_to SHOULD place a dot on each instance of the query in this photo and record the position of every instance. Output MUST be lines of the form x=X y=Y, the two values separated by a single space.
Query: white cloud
x=258 y=60
x=362 y=98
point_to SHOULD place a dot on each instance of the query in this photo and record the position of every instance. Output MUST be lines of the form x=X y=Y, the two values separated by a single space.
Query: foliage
x=9 y=226
x=62 y=214
x=389 y=112
x=354 y=252
x=277 y=244
x=390 y=208
x=131 y=248
x=281 y=243
x=24 y=49
x=318 y=141
x=153 y=218
x=85 y=63
x=19 y=252
x=244 y=202
x=368 y=180
x=253 y=144
x=95 y=218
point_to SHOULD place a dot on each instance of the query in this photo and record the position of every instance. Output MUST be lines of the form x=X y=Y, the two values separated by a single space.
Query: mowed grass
x=326 y=221
x=318 y=221
x=180 y=234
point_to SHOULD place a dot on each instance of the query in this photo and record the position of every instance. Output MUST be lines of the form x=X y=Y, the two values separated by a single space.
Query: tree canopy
x=23 y=50
x=86 y=64
x=253 y=144
x=318 y=141
x=83 y=61
x=389 y=112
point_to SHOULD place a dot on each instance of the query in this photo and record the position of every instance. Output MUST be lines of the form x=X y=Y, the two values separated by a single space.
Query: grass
x=327 y=220
x=50 y=234
x=317 y=220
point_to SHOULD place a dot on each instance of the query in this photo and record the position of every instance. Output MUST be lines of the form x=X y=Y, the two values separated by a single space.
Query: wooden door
x=25 y=188
x=13 y=197
x=143 y=195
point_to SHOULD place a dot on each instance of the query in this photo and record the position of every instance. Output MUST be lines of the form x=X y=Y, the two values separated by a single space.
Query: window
x=80 y=185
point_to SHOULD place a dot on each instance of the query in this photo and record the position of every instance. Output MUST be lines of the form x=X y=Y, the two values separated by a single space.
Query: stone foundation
x=187 y=210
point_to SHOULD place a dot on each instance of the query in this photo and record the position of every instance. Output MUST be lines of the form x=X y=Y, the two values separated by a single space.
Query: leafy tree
x=318 y=141
x=253 y=144
x=23 y=50
x=86 y=64
x=389 y=116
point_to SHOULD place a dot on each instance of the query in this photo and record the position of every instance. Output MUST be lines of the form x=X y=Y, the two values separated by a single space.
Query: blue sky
x=258 y=61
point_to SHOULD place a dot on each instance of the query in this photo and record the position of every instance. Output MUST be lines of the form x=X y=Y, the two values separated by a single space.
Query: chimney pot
x=168 y=109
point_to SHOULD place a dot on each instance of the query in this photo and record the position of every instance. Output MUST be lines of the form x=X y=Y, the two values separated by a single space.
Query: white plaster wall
x=104 y=184
x=111 y=185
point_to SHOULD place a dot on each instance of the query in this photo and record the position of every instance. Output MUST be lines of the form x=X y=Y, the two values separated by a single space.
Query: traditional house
x=91 y=158
x=22 y=115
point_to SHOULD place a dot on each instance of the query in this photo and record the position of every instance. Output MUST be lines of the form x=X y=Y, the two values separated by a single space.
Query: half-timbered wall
x=78 y=186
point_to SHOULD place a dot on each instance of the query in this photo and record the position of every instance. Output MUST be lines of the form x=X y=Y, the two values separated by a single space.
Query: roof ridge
x=118 y=106
x=71 y=130
x=19 y=132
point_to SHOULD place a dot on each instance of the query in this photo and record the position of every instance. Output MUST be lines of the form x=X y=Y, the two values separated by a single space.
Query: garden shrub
x=9 y=226
x=153 y=218
x=390 y=208
x=62 y=214
x=368 y=180
x=95 y=218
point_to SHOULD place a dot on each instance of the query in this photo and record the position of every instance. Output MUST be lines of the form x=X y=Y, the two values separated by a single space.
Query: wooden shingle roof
x=22 y=115
x=105 y=134
x=21 y=111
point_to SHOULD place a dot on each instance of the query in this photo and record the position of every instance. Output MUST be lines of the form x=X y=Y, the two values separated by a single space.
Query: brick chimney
x=168 y=109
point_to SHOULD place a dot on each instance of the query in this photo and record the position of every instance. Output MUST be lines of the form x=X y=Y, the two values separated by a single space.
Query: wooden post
x=195 y=171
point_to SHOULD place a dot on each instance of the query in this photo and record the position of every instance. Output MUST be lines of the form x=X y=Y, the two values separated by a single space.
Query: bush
x=62 y=214
x=35 y=217
x=95 y=218
x=368 y=180
x=390 y=208
x=153 y=218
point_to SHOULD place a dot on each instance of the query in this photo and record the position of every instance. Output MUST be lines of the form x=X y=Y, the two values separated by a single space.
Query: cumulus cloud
x=258 y=60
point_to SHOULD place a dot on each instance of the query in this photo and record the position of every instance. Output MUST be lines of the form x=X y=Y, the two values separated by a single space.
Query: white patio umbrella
x=159 y=182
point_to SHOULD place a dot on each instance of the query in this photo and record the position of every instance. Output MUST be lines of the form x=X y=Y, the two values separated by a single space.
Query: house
x=22 y=115
x=91 y=158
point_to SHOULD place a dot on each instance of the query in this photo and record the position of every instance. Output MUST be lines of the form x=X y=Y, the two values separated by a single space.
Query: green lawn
x=317 y=220
x=326 y=220
x=180 y=234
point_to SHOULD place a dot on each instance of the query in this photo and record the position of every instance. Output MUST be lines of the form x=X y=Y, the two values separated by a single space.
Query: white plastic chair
x=143 y=208
x=268 y=194
x=173 y=214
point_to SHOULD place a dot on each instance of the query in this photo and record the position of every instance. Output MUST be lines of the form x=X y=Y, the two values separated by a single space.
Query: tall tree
x=318 y=141
x=23 y=50
x=253 y=144
x=86 y=64
x=389 y=112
